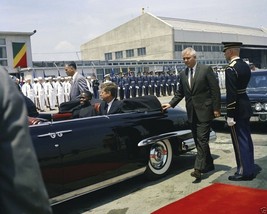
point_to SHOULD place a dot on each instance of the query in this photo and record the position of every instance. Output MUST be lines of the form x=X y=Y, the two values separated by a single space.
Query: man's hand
x=217 y=113
x=230 y=121
x=165 y=106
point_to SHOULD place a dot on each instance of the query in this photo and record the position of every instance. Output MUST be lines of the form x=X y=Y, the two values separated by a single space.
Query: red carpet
x=220 y=198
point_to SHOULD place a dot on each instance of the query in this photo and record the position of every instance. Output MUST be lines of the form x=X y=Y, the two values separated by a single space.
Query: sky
x=64 y=25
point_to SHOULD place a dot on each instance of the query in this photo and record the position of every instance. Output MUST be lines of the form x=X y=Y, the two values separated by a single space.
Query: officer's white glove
x=230 y=121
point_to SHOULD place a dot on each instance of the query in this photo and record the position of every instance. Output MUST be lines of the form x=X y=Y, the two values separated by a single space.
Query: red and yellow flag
x=19 y=54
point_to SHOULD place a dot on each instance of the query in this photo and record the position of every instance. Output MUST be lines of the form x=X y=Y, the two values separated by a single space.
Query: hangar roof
x=13 y=33
x=193 y=25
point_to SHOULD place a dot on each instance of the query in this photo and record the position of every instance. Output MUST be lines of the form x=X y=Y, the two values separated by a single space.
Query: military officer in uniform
x=237 y=75
x=146 y=84
x=139 y=85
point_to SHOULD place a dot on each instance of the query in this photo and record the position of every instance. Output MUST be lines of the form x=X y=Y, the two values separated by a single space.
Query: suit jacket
x=79 y=85
x=21 y=185
x=203 y=97
x=84 y=111
x=114 y=109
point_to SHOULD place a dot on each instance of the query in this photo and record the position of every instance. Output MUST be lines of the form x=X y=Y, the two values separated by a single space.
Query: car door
x=48 y=153
x=91 y=151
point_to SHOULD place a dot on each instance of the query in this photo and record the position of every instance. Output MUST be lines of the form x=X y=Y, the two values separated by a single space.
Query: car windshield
x=258 y=80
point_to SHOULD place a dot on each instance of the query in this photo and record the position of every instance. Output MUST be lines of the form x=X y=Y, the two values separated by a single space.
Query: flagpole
x=58 y=72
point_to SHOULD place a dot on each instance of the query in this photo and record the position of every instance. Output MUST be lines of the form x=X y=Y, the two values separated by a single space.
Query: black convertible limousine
x=78 y=156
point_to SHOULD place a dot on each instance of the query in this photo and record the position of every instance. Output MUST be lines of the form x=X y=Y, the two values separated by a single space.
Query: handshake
x=230 y=121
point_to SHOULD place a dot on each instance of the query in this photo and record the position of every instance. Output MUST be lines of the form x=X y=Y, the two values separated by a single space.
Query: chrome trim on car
x=95 y=187
x=190 y=143
x=54 y=134
x=153 y=139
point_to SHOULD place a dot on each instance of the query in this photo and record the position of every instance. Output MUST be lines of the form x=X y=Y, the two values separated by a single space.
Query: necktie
x=191 y=76
x=106 y=108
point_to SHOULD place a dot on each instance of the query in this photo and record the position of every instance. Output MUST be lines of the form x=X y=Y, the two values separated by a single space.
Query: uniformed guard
x=40 y=90
x=239 y=111
x=36 y=99
x=126 y=86
x=51 y=92
x=146 y=84
x=175 y=82
x=152 y=83
x=133 y=84
x=121 y=86
x=157 y=85
x=27 y=89
x=139 y=85
x=163 y=85
x=169 y=84
x=89 y=84
x=67 y=87
x=60 y=90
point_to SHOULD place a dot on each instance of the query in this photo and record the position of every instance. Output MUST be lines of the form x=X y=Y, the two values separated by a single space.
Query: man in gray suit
x=78 y=82
x=199 y=86
x=21 y=185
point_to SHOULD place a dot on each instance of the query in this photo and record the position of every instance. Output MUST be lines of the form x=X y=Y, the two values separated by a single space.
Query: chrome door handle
x=54 y=134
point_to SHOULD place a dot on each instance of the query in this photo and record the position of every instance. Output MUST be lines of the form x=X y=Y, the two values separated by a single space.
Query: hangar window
x=178 y=47
x=118 y=55
x=108 y=56
x=216 y=48
x=198 y=48
x=3 y=53
x=141 y=51
x=207 y=48
x=2 y=42
x=130 y=53
x=187 y=45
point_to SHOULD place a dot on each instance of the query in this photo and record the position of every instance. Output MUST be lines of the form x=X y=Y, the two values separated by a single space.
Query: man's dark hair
x=72 y=64
x=110 y=87
x=88 y=94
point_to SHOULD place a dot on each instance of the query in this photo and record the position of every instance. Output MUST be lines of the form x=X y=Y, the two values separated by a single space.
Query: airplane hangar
x=148 y=37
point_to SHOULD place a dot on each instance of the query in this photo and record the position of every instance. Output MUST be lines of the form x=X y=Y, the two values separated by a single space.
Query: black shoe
x=196 y=174
x=208 y=169
x=238 y=177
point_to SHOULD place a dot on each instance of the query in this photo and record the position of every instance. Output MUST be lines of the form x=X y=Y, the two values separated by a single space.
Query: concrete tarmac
x=138 y=195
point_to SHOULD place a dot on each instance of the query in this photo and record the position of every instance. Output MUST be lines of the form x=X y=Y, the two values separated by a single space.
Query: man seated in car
x=110 y=104
x=85 y=109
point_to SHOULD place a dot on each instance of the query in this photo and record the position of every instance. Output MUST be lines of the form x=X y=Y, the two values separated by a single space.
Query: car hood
x=257 y=95
x=260 y=91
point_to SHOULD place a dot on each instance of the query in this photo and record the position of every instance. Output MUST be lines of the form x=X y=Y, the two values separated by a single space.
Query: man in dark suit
x=201 y=90
x=21 y=185
x=78 y=82
x=85 y=109
x=110 y=103
x=239 y=111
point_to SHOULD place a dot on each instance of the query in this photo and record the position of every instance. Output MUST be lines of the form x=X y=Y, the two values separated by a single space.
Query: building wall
x=144 y=31
x=11 y=37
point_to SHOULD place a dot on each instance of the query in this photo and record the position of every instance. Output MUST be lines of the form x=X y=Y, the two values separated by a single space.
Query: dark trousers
x=201 y=135
x=243 y=147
